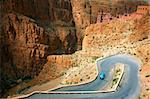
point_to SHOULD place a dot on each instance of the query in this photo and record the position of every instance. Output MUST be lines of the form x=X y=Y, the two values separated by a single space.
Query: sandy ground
x=81 y=75
x=46 y=86
x=85 y=72
x=145 y=80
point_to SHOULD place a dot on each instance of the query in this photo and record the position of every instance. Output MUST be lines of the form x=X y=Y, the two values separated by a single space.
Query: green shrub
x=147 y=75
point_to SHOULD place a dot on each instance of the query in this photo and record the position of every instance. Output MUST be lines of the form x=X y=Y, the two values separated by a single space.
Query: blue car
x=102 y=75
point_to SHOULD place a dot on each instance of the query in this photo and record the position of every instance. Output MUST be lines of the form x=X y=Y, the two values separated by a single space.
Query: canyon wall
x=23 y=49
x=31 y=30
x=132 y=28
x=55 y=67
x=86 y=12
x=49 y=10
x=54 y=16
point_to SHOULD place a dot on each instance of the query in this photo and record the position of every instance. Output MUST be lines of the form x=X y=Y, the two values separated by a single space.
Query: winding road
x=129 y=86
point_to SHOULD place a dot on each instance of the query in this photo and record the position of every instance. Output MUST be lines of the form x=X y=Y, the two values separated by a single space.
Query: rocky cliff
x=57 y=64
x=49 y=10
x=33 y=30
x=132 y=28
x=54 y=16
x=86 y=12
x=24 y=48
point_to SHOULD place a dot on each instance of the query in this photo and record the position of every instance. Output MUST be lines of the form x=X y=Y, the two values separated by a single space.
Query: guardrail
x=60 y=92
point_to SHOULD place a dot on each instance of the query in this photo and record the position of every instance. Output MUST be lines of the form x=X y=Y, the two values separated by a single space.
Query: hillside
x=43 y=41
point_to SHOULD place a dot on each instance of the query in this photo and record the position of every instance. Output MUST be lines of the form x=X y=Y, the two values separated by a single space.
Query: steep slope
x=31 y=30
x=24 y=49
x=126 y=35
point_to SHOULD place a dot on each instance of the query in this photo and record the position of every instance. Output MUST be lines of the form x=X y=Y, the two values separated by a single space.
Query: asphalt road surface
x=129 y=86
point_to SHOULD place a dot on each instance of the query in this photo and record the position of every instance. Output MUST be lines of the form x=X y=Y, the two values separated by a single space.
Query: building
x=143 y=9
x=103 y=17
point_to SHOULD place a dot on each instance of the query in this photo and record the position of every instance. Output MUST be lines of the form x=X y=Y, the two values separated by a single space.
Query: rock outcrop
x=47 y=11
x=86 y=12
x=62 y=40
x=33 y=30
x=142 y=30
x=54 y=16
x=55 y=67
x=81 y=14
x=131 y=28
x=23 y=49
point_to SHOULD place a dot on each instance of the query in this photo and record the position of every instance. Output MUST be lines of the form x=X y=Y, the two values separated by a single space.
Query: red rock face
x=54 y=16
x=86 y=12
x=33 y=29
x=24 y=48
x=25 y=43
x=45 y=11
x=56 y=64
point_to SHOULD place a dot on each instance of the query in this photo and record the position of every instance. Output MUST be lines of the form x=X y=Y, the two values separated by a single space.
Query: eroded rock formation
x=33 y=30
x=56 y=64
x=24 y=48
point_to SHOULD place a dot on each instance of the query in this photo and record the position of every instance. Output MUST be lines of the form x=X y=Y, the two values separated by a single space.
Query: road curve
x=129 y=89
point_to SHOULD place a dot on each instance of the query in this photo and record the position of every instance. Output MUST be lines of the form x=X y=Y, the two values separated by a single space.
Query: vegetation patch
x=147 y=75
x=118 y=72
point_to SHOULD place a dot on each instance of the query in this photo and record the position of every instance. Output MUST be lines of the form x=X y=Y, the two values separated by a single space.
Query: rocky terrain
x=129 y=36
x=29 y=35
x=40 y=41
